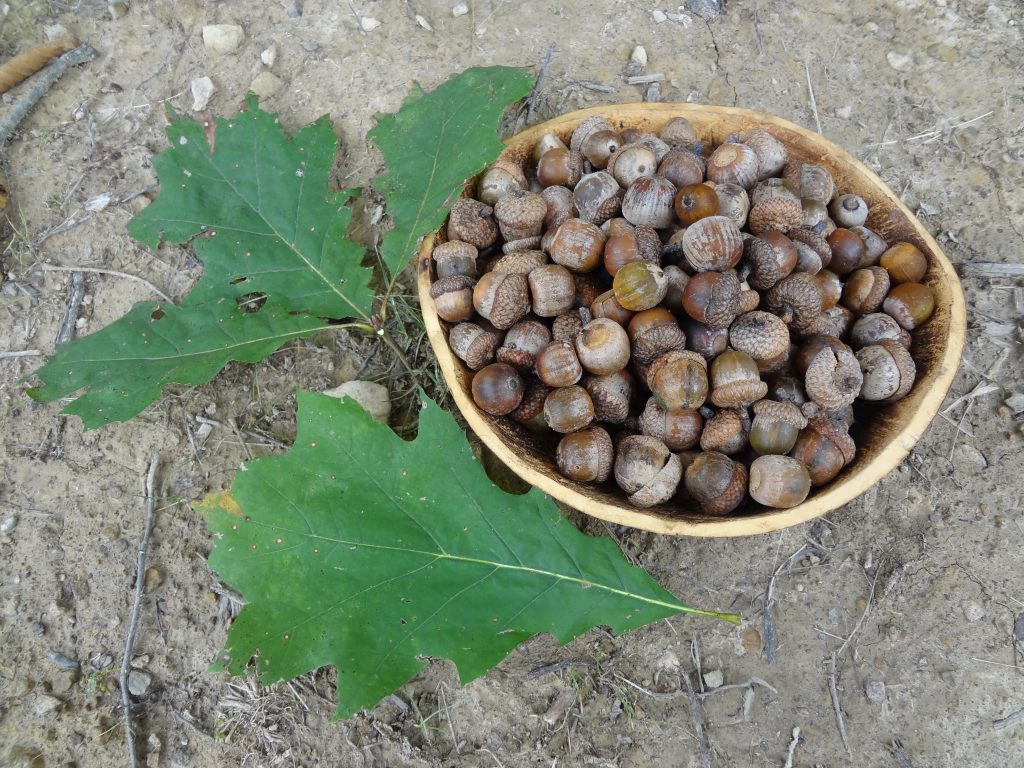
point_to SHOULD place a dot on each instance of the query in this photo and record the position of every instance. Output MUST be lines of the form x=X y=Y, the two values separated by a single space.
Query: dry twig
x=698 y=727
x=76 y=292
x=792 y=747
x=98 y=271
x=133 y=624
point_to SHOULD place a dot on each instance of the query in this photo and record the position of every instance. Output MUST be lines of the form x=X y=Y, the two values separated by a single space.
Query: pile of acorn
x=697 y=323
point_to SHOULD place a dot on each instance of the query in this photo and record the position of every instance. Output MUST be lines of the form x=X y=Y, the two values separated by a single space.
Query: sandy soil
x=926 y=92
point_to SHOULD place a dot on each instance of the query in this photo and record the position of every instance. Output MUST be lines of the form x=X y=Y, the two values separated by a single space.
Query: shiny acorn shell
x=586 y=456
x=778 y=481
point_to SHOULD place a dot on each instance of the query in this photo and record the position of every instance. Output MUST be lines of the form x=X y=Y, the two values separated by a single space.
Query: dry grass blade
x=24 y=65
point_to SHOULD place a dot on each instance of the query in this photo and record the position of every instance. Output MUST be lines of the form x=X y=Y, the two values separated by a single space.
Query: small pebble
x=55 y=32
x=706 y=9
x=659 y=17
x=898 y=60
x=101 y=661
x=38 y=628
x=460 y=10
x=374 y=398
x=294 y=9
x=265 y=84
x=61 y=660
x=875 y=691
x=751 y=640
x=138 y=682
x=9 y=524
x=309 y=46
x=639 y=56
x=972 y=611
x=63 y=682
x=368 y=23
x=223 y=38
x=154 y=578
x=269 y=56
x=714 y=678
x=118 y=10
x=845 y=112
x=140 y=661
x=421 y=21
x=202 y=90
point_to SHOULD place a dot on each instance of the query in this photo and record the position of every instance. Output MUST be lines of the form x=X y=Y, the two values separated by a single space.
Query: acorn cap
x=448 y=284
x=780 y=411
x=521 y=344
x=767 y=266
x=520 y=262
x=776 y=214
x=522 y=244
x=833 y=377
x=473 y=222
x=726 y=431
x=816 y=242
x=761 y=335
x=797 y=299
x=611 y=396
x=648 y=244
x=567 y=327
x=520 y=214
x=737 y=393
x=454 y=249
x=532 y=404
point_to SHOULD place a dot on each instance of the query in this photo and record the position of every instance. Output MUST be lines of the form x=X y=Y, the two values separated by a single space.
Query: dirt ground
x=927 y=92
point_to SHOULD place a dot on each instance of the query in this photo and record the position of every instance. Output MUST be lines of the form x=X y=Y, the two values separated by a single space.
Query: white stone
x=714 y=678
x=98 y=203
x=374 y=398
x=972 y=611
x=9 y=524
x=265 y=84
x=54 y=32
x=368 y=23
x=659 y=17
x=269 y=56
x=138 y=682
x=845 y=112
x=424 y=23
x=898 y=60
x=460 y=10
x=875 y=691
x=223 y=38
x=639 y=56
x=202 y=89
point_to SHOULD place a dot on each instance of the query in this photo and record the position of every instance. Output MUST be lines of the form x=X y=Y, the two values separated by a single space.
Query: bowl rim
x=834 y=495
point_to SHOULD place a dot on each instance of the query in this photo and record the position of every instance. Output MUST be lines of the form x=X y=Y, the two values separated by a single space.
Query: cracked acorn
x=701 y=324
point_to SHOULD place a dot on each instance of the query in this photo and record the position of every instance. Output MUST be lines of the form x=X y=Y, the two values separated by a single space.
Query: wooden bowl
x=893 y=430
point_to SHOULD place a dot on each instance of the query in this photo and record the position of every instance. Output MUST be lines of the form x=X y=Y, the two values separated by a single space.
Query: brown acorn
x=712 y=298
x=472 y=222
x=716 y=482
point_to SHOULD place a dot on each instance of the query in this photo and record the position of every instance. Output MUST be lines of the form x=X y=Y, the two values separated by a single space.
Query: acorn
x=648 y=202
x=472 y=222
x=716 y=482
x=713 y=243
x=682 y=168
x=475 y=346
x=568 y=409
x=849 y=211
x=904 y=263
x=776 y=426
x=824 y=447
x=888 y=370
x=497 y=388
x=640 y=285
x=521 y=344
x=779 y=481
x=598 y=197
x=865 y=289
x=733 y=202
x=768 y=259
x=712 y=298
x=603 y=347
x=872 y=328
x=654 y=332
x=694 y=202
x=557 y=364
x=735 y=380
x=726 y=431
x=771 y=153
x=502 y=297
x=678 y=379
x=561 y=167
x=611 y=395
x=577 y=245
x=734 y=164
x=586 y=456
x=453 y=297
x=646 y=470
x=679 y=429
x=761 y=335
x=910 y=304
x=455 y=258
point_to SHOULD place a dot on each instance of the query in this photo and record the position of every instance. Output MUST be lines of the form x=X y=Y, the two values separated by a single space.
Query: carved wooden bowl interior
x=882 y=442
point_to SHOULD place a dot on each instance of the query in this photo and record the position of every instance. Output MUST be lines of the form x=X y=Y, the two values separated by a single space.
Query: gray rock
x=223 y=38
x=38 y=628
x=63 y=681
x=706 y=9
x=202 y=89
x=139 y=682
x=875 y=691
x=898 y=60
x=62 y=661
x=266 y=84
x=714 y=678
x=9 y=524
x=972 y=611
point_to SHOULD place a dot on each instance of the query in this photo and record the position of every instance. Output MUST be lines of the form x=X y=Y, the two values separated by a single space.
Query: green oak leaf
x=254 y=203
x=360 y=550
x=425 y=146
